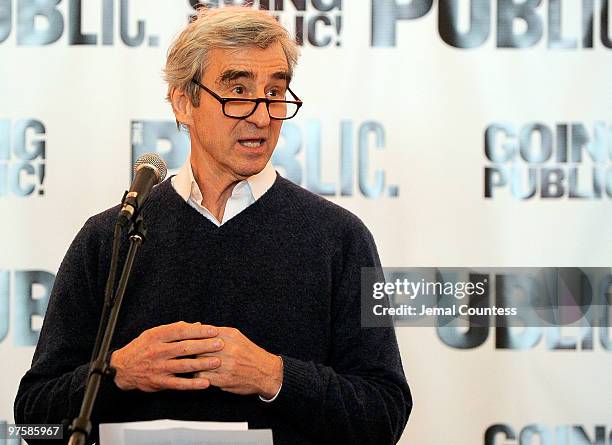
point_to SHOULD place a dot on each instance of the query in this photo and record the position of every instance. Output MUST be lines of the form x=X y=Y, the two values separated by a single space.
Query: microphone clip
x=128 y=208
x=138 y=230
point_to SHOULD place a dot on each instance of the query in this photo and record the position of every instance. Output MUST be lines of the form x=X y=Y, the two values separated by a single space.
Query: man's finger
x=217 y=379
x=183 y=384
x=182 y=331
x=191 y=347
x=180 y=366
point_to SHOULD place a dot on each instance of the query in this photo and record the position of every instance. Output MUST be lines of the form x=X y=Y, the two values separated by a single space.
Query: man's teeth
x=251 y=143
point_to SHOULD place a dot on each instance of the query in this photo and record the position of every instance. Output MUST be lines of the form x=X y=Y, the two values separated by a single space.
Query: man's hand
x=245 y=367
x=149 y=363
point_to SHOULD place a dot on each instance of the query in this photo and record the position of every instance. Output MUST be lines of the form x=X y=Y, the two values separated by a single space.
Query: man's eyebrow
x=282 y=75
x=230 y=75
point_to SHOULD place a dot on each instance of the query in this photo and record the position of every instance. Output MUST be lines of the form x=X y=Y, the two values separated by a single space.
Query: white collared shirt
x=244 y=193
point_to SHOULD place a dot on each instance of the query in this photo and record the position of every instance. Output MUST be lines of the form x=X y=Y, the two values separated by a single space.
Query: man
x=246 y=281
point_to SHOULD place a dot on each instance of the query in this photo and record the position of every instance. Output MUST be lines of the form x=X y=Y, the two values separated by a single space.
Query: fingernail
x=217 y=344
x=211 y=331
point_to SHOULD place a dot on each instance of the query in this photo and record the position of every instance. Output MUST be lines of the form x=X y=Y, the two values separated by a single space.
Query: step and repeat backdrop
x=464 y=133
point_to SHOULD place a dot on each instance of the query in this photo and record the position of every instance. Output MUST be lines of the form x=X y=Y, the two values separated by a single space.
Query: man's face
x=238 y=148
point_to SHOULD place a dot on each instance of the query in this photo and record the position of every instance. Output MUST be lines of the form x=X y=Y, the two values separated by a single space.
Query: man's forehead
x=252 y=63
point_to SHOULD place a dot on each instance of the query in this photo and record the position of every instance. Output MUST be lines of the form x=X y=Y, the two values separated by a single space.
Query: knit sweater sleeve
x=361 y=396
x=52 y=390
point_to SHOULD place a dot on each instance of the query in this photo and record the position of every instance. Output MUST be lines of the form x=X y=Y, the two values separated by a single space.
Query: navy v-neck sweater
x=285 y=272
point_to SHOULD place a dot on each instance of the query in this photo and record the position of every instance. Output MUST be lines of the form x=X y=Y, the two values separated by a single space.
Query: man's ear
x=181 y=104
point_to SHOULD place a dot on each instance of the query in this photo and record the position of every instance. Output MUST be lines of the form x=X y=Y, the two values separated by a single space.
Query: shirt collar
x=186 y=185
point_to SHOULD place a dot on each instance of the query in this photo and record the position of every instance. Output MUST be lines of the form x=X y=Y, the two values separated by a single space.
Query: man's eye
x=238 y=90
x=274 y=93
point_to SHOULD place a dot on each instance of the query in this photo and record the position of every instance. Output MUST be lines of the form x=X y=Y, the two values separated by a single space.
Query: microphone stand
x=100 y=366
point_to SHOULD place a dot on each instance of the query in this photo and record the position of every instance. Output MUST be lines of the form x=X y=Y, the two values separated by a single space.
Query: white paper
x=182 y=436
x=113 y=433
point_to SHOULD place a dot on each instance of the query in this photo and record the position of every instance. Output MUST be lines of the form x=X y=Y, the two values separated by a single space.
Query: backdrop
x=464 y=133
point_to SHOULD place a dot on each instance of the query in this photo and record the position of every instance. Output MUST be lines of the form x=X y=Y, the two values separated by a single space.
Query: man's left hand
x=245 y=367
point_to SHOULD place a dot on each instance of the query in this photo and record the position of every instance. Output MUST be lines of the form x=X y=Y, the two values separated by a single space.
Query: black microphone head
x=154 y=162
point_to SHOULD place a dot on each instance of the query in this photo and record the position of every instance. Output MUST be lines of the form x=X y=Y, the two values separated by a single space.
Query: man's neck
x=216 y=188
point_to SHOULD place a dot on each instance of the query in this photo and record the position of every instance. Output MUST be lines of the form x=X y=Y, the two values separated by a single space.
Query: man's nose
x=260 y=116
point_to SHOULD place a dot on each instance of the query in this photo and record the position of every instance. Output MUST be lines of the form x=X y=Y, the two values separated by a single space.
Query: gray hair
x=232 y=27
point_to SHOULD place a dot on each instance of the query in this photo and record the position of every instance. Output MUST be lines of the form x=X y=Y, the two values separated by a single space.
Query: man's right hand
x=151 y=361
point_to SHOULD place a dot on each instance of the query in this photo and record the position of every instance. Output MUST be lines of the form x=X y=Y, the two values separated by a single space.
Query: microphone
x=149 y=170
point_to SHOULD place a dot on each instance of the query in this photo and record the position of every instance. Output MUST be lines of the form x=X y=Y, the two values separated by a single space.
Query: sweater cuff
x=107 y=392
x=301 y=385
x=78 y=384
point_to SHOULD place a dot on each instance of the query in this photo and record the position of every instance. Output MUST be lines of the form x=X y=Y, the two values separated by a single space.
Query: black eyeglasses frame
x=225 y=100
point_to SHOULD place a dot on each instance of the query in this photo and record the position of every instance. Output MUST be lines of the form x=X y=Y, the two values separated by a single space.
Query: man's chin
x=247 y=164
x=246 y=171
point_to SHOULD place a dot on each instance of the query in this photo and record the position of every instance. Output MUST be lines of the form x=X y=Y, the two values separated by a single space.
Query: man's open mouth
x=251 y=143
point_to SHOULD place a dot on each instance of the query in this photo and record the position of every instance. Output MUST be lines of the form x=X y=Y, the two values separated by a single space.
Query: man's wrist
x=273 y=381
x=114 y=363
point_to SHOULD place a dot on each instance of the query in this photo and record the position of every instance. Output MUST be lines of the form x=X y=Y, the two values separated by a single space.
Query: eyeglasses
x=243 y=108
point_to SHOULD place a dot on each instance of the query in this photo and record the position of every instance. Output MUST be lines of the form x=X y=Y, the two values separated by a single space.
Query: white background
x=435 y=102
